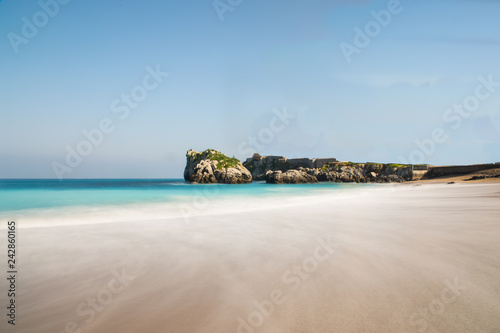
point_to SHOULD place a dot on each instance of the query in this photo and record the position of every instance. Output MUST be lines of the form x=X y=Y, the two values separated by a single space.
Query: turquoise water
x=28 y=194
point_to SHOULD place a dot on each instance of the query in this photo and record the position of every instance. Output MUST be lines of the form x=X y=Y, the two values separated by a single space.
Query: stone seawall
x=458 y=170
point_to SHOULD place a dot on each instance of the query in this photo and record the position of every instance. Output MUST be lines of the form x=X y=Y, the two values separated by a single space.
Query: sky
x=122 y=89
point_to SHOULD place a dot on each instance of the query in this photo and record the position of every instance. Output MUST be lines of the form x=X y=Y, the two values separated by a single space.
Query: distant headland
x=212 y=166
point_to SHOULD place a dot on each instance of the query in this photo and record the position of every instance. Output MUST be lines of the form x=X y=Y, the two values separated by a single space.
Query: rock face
x=259 y=165
x=289 y=177
x=279 y=170
x=347 y=172
x=211 y=166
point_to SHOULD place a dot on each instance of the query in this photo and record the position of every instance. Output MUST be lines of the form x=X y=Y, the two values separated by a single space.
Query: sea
x=45 y=202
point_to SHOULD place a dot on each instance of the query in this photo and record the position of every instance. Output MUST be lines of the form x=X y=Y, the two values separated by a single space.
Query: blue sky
x=273 y=71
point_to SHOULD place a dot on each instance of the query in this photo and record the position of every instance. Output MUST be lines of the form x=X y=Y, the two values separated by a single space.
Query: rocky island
x=211 y=166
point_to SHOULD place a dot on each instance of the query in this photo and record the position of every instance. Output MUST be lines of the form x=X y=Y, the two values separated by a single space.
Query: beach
x=235 y=166
x=382 y=258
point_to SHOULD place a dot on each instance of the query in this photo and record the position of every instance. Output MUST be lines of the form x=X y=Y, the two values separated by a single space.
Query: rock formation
x=211 y=166
x=279 y=170
x=289 y=177
x=259 y=165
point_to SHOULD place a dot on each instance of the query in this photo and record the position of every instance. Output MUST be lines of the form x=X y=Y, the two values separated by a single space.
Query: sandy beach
x=233 y=166
x=388 y=258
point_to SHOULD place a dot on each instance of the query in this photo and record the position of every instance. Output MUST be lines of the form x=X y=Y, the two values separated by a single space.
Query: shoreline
x=394 y=250
x=215 y=202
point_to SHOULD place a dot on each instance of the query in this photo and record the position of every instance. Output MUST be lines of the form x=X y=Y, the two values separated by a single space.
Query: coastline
x=210 y=200
x=394 y=251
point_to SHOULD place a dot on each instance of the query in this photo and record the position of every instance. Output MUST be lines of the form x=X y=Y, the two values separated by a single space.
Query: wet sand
x=389 y=258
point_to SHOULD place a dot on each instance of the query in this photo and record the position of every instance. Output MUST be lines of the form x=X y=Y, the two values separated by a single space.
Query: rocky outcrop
x=211 y=166
x=289 y=177
x=259 y=165
x=345 y=172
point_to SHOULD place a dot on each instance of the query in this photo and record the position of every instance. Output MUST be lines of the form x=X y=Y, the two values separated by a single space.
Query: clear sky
x=384 y=81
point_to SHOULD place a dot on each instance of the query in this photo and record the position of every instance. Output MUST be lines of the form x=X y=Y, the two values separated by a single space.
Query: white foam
x=184 y=208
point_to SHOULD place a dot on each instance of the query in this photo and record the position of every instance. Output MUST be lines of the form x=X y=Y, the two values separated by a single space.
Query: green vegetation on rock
x=337 y=165
x=223 y=161
x=395 y=165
